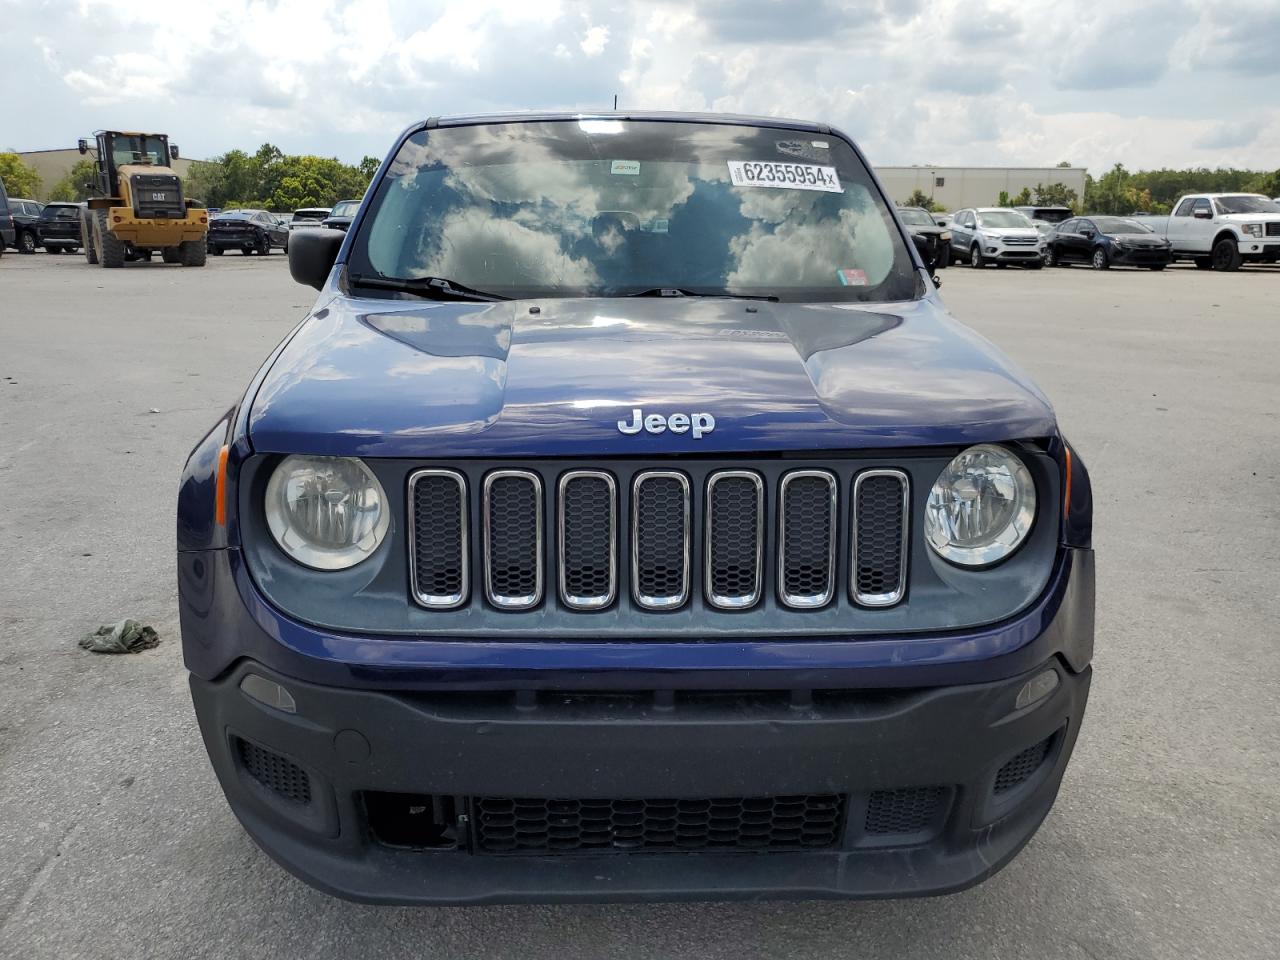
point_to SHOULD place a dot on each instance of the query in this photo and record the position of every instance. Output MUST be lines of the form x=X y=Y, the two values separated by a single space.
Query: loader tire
x=111 y=249
x=171 y=255
x=193 y=252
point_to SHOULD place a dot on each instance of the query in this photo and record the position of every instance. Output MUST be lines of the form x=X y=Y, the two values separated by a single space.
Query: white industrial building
x=953 y=188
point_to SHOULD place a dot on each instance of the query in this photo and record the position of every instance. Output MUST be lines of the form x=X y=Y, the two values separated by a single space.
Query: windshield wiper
x=680 y=292
x=435 y=288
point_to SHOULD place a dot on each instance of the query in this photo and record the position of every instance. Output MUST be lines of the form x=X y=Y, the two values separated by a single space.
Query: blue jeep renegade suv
x=630 y=520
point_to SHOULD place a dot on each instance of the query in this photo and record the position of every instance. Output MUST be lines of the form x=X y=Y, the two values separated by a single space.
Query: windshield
x=310 y=214
x=150 y=150
x=1248 y=204
x=1051 y=215
x=1119 y=225
x=916 y=217
x=60 y=213
x=609 y=207
x=1002 y=218
x=347 y=208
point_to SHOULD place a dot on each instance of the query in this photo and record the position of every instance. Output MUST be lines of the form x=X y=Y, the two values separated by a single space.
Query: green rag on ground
x=127 y=636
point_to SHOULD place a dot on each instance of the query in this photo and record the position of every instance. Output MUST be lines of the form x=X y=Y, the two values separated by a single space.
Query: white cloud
x=1148 y=83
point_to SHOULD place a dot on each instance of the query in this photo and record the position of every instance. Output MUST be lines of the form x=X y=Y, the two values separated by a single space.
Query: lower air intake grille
x=1022 y=766
x=505 y=825
x=278 y=774
x=879 y=529
x=904 y=811
x=735 y=514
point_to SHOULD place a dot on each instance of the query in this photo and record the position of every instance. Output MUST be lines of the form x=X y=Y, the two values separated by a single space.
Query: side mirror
x=1202 y=214
x=173 y=151
x=312 y=253
x=83 y=146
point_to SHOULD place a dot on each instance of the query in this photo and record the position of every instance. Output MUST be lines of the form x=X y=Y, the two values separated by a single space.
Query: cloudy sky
x=1145 y=82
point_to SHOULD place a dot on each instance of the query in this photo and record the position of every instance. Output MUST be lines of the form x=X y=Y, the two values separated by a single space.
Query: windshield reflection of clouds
x=503 y=208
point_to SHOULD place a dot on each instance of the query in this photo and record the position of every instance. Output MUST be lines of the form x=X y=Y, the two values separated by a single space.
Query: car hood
x=396 y=378
x=1004 y=233
x=1140 y=239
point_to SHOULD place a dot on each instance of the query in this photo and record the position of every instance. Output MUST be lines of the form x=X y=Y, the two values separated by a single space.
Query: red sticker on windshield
x=852 y=278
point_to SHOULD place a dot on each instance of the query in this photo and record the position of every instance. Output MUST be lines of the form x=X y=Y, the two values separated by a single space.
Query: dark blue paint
x=392 y=378
x=412 y=379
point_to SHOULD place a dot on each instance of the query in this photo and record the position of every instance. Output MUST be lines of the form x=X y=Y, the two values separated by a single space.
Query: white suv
x=983 y=235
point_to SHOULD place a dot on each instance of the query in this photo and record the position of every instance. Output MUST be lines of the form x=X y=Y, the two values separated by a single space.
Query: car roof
x=535 y=116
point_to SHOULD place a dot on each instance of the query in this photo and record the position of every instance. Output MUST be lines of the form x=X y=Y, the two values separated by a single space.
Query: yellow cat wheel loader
x=140 y=208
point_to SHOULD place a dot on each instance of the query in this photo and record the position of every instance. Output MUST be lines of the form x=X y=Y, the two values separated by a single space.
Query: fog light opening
x=268 y=692
x=1036 y=689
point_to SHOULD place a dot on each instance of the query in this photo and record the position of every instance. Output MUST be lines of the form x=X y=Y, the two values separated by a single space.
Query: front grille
x=512 y=825
x=438 y=531
x=807 y=538
x=645 y=537
x=880 y=504
x=278 y=774
x=1019 y=241
x=735 y=519
x=903 y=812
x=513 y=539
x=1273 y=229
x=660 y=538
x=588 y=539
x=1016 y=771
x=157 y=195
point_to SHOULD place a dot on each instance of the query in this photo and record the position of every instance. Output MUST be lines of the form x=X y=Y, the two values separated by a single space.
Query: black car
x=7 y=236
x=933 y=241
x=1107 y=241
x=26 y=223
x=249 y=231
x=341 y=215
x=59 y=227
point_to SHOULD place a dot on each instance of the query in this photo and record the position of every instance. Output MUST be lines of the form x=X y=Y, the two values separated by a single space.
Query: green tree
x=919 y=198
x=20 y=179
x=1003 y=200
x=369 y=166
x=80 y=183
x=1055 y=195
x=1023 y=199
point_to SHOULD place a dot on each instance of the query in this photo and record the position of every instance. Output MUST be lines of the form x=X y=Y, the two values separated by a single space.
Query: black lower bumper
x=937 y=788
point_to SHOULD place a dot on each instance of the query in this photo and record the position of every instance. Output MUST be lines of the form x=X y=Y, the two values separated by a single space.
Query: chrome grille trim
x=439 y=601
x=600 y=601
x=672 y=601
x=749 y=600
x=809 y=601
x=508 y=602
x=887 y=598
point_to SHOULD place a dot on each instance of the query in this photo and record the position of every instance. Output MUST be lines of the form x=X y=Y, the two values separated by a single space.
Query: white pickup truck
x=1220 y=231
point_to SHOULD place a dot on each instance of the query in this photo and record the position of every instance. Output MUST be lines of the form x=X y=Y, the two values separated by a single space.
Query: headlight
x=326 y=512
x=1252 y=229
x=981 y=507
x=945 y=235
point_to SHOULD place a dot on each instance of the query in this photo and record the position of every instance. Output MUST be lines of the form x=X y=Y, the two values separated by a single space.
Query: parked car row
x=1214 y=231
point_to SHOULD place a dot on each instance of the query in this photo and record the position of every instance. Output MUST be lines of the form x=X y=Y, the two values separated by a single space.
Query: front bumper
x=359 y=751
x=429 y=724
x=999 y=253
x=1264 y=248
x=1140 y=256
x=126 y=225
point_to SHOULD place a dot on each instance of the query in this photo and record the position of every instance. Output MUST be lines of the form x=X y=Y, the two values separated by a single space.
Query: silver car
x=985 y=235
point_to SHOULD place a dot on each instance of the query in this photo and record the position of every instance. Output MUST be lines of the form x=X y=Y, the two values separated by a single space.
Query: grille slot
x=513 y=545
x=438 y=532
x=278 y=774
x=903 y=812
x=660 y=539
x=880 y=525
x=807 y=539
x=512 y=825
x=735 y=527
x=1021 y=766
x=588 y=506
x=1273 y=229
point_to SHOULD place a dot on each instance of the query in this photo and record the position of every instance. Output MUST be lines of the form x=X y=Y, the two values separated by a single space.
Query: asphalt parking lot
x=115 y=840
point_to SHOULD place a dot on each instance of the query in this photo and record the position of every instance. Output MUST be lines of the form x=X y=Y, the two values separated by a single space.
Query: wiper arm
x=435 y=288
x=681 y=292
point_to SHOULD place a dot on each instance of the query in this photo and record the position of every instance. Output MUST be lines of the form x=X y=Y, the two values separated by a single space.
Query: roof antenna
x=615 y=101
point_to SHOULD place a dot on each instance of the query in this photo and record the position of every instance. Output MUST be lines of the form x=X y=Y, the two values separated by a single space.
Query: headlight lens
x=981 y=507
x=1252 y=229
x=326 y=512
x=944 y=235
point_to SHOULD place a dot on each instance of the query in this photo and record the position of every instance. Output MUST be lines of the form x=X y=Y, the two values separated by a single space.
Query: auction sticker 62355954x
x=785 y=176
